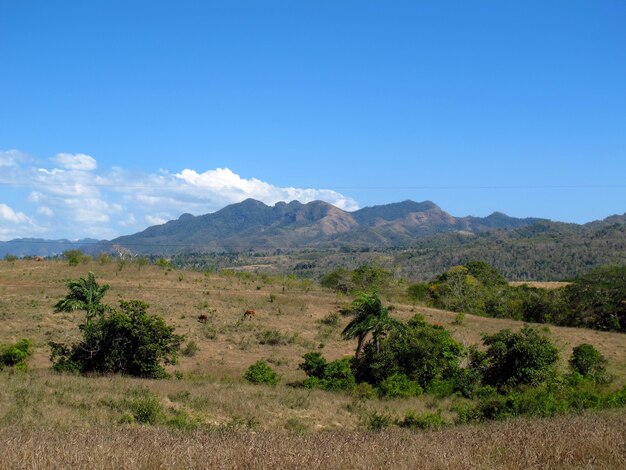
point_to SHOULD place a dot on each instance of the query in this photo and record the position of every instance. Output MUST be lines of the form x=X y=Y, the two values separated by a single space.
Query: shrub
x=145 y=408
x=399 y=386
x=335 y=375
x=377 y=421
x=10 y=258
x=420 y=351
x=414 y=420
x=588 y=362
x=417 y=292
x=15 y=355
x=128 y=341
x=314 y=364
x=75 y=257
x=518 y=358
x=272 y=338
x=261 y=373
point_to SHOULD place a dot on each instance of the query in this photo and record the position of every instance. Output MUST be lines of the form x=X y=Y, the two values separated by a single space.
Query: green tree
x=126 y=341
x=598 y=299
x=84 y=294
x=589 y=362
x=524 y=358
x=369 y=315
x=418 y=350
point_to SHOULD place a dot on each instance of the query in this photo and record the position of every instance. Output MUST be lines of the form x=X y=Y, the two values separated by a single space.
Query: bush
x=145 y=408
x=128 y=341
x=15 y=355
x=414 y=420
x=418 y=350
x=261 y=373
x=335 y=375
x=588 y=362
x=417 y=292
x=75 y=257
x=377 y=421
x=272 y=338
x=518 y=358
x=399 y=386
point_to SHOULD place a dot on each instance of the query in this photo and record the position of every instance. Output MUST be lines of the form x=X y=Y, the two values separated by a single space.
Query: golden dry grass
x=572 y=442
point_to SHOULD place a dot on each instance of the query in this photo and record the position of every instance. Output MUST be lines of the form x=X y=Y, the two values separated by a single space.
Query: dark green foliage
x=369 y=315
x=418 y=292
x=369 y=277
x=399 y=386
x=314 y=364
x=485 y=274
x=335 y=375
x=545 y=400
x=128 y=341
x=598 y=299
x=15 y=355
x=10 y=258
x=588 y=362
x=261 y=373
x=518 y=358
x=420 y=351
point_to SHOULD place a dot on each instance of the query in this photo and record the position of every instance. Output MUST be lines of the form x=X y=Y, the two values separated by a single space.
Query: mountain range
x=254 y=226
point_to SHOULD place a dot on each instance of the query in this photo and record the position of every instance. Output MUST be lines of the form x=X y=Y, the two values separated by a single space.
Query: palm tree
x=369 y=316
x=85 y=294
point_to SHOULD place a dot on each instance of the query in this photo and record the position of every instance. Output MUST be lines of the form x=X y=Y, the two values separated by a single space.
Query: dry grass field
x=49 y=420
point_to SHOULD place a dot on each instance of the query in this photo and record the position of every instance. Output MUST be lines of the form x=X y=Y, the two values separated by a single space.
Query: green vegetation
x=589 y=363
x=261 y=373
x=596 y=300
x=369 y=316
x=126 y=341
x=75 y=257
x=15 y=355
x=512 y=359
x=85 y=294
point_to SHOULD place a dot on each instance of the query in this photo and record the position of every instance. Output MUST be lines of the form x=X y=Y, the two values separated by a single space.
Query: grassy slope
x=211 y=392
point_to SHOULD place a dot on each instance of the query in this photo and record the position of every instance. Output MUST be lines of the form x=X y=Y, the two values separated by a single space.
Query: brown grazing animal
x=203 y=318
x=249 y=314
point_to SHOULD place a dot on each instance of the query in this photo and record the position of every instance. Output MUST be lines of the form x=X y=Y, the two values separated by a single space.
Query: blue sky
x=117 y=115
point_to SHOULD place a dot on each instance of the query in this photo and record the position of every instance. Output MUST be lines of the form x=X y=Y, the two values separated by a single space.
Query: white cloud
x=76 y=161
x=15 y=224
x=9 y=215
x=43 y=210
x=155 y=220
x=11 y=158
x=81 y=200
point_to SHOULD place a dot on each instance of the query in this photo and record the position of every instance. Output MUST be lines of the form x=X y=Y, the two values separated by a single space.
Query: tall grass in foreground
x=568 y=442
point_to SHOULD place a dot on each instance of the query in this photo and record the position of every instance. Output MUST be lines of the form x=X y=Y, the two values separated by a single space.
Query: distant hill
x=254 y=226
x=40 y=247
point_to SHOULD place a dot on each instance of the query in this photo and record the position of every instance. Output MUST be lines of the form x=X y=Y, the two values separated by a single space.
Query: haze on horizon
x=117 y=116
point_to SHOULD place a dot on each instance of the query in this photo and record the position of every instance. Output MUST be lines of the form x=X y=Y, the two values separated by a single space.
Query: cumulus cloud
x=75 y=198
x=76 y=161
